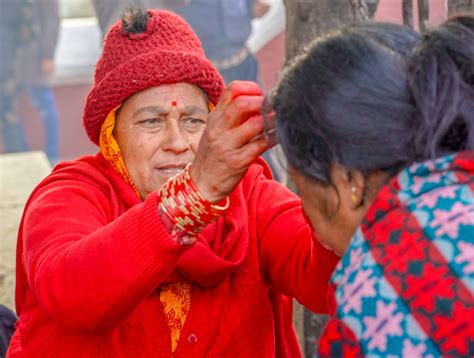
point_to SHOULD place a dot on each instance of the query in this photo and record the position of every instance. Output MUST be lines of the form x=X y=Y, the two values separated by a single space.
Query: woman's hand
x=230 y=141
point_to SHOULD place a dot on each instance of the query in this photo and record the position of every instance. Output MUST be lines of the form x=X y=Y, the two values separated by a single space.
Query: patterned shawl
x=405 y=285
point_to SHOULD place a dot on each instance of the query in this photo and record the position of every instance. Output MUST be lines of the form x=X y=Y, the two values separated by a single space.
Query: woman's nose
x=175 y=139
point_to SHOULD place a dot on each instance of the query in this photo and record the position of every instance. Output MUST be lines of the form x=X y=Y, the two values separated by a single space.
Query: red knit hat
x=167 y=52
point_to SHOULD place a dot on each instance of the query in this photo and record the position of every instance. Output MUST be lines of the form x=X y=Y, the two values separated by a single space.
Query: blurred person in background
x=172 y=240
x=224 y=26
x=13 y=31
x=7 y=327
x=378 y=130
x=34 y=67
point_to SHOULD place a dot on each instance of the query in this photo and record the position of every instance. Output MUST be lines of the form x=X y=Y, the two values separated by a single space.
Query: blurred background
x=49 y=49
x=78 y=47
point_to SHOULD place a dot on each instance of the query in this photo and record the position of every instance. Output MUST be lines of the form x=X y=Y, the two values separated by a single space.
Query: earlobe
x=353 y=194
x=357 y=188
x=357 y=198
x=350 y=185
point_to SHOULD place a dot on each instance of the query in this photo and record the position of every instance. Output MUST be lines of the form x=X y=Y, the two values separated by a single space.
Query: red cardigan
x=91 y=256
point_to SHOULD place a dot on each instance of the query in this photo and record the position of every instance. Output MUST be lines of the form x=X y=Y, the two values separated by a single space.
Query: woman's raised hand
x=230 y=141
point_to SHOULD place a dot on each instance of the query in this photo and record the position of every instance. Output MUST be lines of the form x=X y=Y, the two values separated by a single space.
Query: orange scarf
x=111 y=150
x=174 y=297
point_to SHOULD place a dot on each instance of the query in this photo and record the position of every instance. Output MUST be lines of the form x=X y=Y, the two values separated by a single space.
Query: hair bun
x=135 y=21
x=442 y=86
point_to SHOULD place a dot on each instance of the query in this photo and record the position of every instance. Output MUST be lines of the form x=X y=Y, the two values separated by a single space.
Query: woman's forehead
x=176 y=94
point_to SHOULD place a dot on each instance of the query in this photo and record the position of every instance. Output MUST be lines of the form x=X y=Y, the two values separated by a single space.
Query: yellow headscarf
x=111 y=150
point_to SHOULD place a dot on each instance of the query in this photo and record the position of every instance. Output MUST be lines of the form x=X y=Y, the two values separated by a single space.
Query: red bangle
x=186 y=207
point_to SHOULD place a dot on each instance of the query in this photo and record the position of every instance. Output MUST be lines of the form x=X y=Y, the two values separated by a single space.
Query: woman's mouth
x=172 y=169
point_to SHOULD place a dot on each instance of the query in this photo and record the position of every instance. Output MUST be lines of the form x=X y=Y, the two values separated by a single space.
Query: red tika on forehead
x=174 y=103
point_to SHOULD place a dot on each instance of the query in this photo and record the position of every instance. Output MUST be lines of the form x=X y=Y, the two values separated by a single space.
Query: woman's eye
x=151 y=122
x=194 y=122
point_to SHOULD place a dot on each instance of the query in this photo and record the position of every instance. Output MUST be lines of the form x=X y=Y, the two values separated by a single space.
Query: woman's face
x=158 y=131
x=332 y=210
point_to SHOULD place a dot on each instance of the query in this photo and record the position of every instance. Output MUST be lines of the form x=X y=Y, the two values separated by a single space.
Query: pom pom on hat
x=167 y=51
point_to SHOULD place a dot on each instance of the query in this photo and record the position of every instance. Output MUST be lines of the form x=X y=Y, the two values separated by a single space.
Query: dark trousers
x=42 y=99
x=7 y=323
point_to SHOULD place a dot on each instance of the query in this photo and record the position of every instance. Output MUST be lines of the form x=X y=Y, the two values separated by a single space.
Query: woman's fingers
x=237 y=111
x=239 y=88
x=247 y=131
x=240 y=100
x=252 y=150
x=230 y=141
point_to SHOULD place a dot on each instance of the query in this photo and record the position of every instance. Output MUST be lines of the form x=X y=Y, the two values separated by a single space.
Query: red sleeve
x=86 y=271
x=293 y=263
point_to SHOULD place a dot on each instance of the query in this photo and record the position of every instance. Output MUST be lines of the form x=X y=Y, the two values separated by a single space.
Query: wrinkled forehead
x=180 y=93
x=182 y=96
x=164 y=100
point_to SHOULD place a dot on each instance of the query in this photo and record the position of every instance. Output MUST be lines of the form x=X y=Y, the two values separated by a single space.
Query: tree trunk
x=407 y=11
x=372 y=5
x=457 y=6
x=423 y=14
x=306 y=20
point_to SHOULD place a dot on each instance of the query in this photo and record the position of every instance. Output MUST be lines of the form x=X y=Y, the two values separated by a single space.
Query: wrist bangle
x=186 y=207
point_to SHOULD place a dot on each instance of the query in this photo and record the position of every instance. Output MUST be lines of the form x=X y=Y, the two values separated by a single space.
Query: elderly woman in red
x=173 y=240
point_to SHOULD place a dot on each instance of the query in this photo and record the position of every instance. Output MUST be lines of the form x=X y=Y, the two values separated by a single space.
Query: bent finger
x=247 y=131
x=240 y=110
x=236 y=89
x=252 y=150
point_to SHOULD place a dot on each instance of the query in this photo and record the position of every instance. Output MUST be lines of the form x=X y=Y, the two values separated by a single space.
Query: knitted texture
x=167 y=52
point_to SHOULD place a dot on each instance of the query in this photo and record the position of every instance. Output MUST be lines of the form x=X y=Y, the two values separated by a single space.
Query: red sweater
x=91 y=256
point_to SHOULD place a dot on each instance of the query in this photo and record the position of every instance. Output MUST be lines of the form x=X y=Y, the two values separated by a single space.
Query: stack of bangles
x=184 y=210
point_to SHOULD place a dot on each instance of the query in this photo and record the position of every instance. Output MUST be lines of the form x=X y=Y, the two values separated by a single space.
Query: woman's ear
x=351 y=185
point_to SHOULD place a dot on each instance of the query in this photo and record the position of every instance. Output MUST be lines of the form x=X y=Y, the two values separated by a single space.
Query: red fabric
x=339 y=341
x=91 y=257
x=167 y=52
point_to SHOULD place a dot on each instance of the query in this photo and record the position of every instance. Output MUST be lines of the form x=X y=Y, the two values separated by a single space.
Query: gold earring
x=353 y=195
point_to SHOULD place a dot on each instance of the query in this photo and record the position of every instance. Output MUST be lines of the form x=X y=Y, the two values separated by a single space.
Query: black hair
x=330 y=97
x=354 y=97
x=442 y=85
x=134 y=20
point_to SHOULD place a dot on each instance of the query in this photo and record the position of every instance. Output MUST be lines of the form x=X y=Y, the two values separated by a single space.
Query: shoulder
x=87 y=176
x=85 y=169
